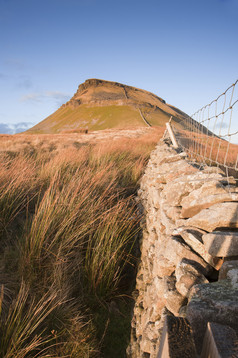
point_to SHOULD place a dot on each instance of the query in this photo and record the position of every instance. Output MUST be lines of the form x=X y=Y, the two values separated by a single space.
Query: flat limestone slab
x=171 y=251
x=221 y=244
x=223 y=215
x=193 y=237
x=198 y=201
x=181 y=187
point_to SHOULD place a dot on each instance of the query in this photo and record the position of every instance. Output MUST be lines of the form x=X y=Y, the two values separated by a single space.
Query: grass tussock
x=21 y=326
x=68 y=229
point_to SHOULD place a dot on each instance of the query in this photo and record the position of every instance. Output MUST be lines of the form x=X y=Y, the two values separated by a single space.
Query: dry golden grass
x=47 y=142
x=211 y=150
x=68 y=224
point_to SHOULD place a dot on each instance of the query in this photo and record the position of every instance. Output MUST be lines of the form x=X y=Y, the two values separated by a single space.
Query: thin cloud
x=24 y=82
x=32 y=97
x=5 y=129
x=58 y=97
x=2 y=76
x=15 y=64
x=23 y=125
x=222 y=125
x=15 y=127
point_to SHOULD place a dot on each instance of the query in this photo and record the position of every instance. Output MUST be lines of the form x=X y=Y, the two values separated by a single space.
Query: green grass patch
x=93 y=118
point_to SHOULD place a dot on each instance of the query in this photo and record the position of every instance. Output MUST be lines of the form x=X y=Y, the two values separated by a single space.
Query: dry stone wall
x=189 y=249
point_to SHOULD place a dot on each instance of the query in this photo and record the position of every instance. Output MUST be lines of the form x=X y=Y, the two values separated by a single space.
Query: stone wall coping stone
x=222 y=215
x=221 y=243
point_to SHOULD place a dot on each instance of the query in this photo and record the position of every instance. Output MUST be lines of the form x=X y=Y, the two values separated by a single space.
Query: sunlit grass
x=69 y=224
x=114 y=237
x=22 y=326
x=210 y=149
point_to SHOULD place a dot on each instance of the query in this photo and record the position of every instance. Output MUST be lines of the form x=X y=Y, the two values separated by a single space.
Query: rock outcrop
x=189 y=254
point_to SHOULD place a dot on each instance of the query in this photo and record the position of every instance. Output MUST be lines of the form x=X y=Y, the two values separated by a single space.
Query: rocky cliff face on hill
x=100 y=92
x=100 y=104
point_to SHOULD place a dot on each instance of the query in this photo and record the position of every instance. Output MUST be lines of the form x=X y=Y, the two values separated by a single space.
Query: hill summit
x=100 y=104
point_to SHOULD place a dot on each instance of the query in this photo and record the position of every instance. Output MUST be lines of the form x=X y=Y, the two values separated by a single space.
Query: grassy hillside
x=99 y=105
x=69 y=228
x=93 y=118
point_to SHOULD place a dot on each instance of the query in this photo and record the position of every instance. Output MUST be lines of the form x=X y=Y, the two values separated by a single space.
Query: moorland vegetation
x=69 y=231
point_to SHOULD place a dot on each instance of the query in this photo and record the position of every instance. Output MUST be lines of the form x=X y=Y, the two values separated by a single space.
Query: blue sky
x=184 y=51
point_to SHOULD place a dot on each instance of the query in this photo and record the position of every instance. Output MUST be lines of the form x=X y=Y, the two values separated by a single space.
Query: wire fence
x=211 y=133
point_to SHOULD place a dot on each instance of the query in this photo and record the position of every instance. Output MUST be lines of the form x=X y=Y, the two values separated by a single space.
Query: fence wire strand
x=211 y=133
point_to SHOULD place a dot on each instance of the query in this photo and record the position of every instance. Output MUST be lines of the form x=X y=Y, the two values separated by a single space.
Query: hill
x=100 y=104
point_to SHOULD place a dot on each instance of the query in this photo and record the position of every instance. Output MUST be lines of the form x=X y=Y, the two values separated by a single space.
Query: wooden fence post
x=171 y=134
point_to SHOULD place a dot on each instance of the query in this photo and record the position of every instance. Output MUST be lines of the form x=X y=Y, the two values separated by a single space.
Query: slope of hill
x=100 y=104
